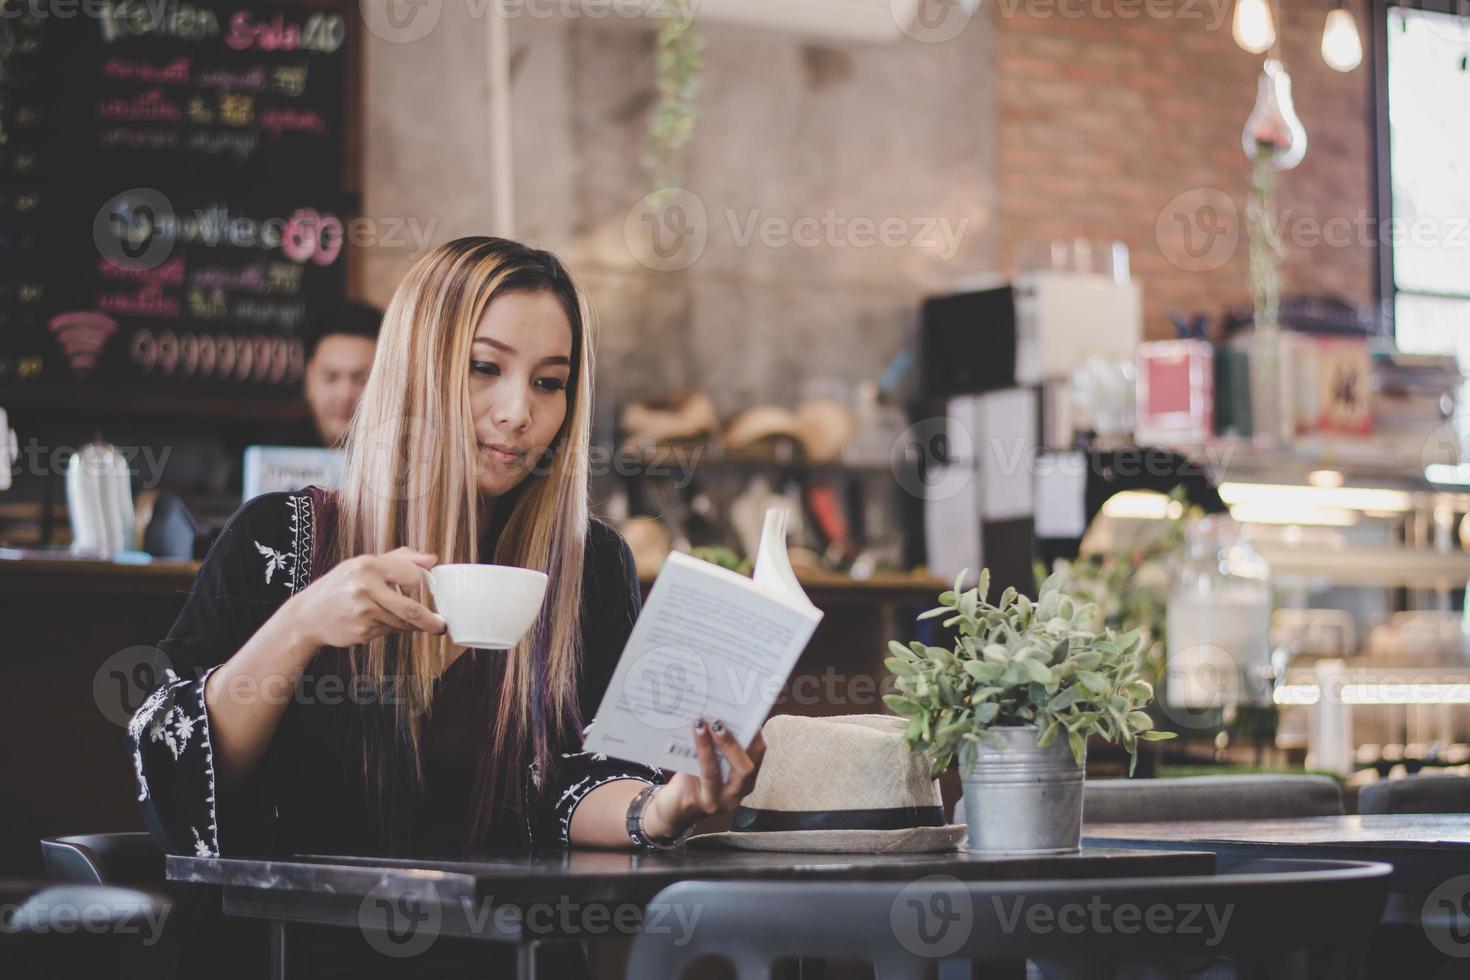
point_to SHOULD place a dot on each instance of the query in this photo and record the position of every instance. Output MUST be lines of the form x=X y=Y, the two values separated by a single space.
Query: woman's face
x=520 y=362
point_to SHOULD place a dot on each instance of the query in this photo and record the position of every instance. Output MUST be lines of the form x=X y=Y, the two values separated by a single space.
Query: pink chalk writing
x=275 y=121
x=170 y=273
x=227 y=80
x=271 y=35
x=176 y=72
x=149 y=106
x=250 y=277
x=148 y=301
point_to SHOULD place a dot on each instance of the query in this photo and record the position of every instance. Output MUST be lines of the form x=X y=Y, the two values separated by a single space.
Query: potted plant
x=1016 y=698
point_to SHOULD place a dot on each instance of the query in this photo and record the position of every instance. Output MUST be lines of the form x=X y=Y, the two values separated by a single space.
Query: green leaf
x=947 y=597
x=897 y=648
x=1079 y=746
x=939 y=655
x=1157 y=736
x=1093 y=681
x=996 y=654
x=992 y=739
x=1139 y=721
x=983 y=671
x=983 y=588
x=1048 y=734
x=1065 y=699
x=901 y=667
x=1140 y=690
x=986 y=712
x=932 y=613
x=967 y=758
x=902 y=705
x=959 y=580
x=947 y=732
x=1035 y=670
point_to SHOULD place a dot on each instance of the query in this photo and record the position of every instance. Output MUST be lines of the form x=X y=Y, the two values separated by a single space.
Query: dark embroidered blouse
x=306 y=794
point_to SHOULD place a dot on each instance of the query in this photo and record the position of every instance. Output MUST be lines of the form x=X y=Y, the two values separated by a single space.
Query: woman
x=313 y=704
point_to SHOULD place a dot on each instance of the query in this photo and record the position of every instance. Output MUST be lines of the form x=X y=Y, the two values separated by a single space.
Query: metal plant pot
x=1022 y=799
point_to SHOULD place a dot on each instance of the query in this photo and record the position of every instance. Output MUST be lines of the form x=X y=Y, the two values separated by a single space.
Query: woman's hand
x=359 y=600
x=686 y=799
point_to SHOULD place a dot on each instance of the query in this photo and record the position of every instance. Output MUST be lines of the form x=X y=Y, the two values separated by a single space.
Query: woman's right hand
x=358 y=600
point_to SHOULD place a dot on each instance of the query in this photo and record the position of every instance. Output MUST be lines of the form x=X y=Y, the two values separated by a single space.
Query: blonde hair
x=411 y=480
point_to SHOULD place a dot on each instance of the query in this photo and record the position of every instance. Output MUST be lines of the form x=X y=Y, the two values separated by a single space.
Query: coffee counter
x=36 y=571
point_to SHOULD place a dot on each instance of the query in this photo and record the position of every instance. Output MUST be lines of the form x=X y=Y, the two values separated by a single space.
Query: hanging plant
x=679 y=63
x=1266 y=248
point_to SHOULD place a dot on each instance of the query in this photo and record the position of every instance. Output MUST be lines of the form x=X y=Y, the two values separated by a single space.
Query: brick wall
x=1104 y=121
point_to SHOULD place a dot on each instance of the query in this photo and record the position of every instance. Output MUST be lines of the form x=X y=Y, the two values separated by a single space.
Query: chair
x=1246 y=797
x=133 y=859
x=1416 y=794
x=1266 y=918
x=103 y=859
x=80 y=931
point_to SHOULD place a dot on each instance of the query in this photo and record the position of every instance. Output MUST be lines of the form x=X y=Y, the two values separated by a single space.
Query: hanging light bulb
x=1252 y=27
x=1273 y=132
x=1342 y=49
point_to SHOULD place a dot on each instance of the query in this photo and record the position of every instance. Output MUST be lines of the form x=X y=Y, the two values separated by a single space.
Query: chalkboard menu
x=172 y=207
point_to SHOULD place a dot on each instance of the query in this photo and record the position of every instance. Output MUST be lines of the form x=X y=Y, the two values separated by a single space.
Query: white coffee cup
x=486 y=606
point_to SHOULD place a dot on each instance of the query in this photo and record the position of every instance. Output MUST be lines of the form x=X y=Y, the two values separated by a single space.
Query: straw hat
x=824 y=427
x=839 y=784
x=760 y=422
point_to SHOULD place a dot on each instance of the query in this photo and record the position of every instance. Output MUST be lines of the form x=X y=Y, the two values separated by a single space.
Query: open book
x=709 y=643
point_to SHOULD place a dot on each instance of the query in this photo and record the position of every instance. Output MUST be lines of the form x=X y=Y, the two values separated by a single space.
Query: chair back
x=1259 y=915
x=1243 y=797
x=1416 y=794
x=103 y=859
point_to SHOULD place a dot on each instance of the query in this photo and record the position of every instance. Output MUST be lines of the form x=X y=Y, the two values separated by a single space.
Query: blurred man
x=339 y=355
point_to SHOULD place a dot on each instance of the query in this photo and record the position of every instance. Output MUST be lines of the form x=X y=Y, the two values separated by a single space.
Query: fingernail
x=719 y=727
x=699 y=724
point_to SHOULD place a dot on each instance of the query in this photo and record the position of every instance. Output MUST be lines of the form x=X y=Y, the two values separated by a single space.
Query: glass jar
x=1219 y=621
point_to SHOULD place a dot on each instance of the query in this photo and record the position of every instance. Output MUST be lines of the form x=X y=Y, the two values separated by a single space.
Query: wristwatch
x=635 y=822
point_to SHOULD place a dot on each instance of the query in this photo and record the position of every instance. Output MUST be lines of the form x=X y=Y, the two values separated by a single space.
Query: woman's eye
x=484 y=367
x=552 y=384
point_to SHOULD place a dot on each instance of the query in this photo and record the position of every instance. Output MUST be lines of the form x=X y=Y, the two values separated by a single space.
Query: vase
x=1023 y=799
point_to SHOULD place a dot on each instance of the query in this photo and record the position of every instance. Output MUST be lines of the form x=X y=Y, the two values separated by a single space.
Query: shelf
x=679 y=458
x=1378 y=567
x=1390 y=460
x=833 y=589
x=186 y=404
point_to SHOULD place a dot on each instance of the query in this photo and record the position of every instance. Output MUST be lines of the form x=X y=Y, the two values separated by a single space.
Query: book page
x=707 y=644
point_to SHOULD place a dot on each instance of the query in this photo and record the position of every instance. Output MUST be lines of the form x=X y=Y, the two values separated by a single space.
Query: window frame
x=1378 y=11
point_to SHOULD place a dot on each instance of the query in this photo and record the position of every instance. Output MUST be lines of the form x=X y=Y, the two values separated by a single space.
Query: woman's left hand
x=685 y=800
